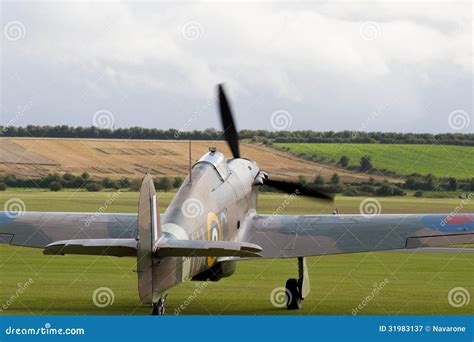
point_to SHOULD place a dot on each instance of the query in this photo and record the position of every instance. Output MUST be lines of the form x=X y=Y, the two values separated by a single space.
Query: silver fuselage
x=210 y=205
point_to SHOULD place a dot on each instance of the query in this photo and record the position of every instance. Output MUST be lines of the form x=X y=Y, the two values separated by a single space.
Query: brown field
x=35 y=157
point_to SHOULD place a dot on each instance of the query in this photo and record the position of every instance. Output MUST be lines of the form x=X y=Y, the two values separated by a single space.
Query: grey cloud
x=313 y=60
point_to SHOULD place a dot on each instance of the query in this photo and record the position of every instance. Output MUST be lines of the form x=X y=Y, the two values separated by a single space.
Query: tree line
x=372 y=187
x=263 y=136
x=57 y=182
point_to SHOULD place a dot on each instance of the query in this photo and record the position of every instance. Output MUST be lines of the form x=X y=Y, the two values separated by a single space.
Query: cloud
x=155 y=64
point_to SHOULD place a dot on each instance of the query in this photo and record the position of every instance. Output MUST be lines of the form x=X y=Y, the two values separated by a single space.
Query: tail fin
x=149 y=231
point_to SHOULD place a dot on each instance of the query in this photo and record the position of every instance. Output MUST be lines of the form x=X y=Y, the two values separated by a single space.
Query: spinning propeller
x=232 y=138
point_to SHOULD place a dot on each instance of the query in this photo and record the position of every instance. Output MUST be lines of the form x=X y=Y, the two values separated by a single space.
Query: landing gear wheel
x=158 y=309
x=154 y=309
x=293 y=295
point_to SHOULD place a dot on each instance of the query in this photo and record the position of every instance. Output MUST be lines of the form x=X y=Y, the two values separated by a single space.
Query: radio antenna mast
x=190 y=167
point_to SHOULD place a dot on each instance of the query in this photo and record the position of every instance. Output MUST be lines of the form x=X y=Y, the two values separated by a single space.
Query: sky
x=401 y=66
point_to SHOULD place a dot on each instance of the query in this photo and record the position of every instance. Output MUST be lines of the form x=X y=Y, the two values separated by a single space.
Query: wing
x=39 y=229
x=287 y=236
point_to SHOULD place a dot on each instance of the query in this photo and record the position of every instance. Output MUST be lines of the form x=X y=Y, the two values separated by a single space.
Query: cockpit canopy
x=217 y=160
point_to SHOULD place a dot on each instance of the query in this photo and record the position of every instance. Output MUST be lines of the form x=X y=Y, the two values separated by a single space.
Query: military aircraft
x=212 y=223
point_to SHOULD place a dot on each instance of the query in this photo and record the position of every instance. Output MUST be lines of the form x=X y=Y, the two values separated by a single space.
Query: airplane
x=212 y=223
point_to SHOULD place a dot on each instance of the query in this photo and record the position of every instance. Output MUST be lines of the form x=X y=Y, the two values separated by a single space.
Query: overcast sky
x=405 y=66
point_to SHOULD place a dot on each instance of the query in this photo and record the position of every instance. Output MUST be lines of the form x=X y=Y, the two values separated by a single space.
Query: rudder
x=149 y=230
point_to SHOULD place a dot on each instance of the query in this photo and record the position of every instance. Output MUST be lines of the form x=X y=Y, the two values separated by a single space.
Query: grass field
x=418 y=283
x=440 y=160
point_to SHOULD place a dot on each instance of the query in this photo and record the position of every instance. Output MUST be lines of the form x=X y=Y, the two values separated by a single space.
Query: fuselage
x=210 y=205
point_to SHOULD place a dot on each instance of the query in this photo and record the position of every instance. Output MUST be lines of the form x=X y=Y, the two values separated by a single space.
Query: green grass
x=403 y=159
x=267 y=203
x=418 y=282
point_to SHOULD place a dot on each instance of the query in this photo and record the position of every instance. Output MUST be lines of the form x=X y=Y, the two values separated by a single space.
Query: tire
x=154 y=309
x=293 y=295
x=158 y=309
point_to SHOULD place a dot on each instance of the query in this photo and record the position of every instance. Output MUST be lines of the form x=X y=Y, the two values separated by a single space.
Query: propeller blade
x=299 y=189
x=228 y=125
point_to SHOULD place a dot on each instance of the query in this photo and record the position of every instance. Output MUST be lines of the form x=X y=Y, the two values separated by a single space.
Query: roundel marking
x=214 y=233
x=224 y=225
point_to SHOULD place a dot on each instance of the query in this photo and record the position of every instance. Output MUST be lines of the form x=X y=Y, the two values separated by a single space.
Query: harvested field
x=34 y=157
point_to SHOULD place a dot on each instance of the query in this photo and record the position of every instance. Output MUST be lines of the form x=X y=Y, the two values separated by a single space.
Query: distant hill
x=35 y=157
x=403 y=159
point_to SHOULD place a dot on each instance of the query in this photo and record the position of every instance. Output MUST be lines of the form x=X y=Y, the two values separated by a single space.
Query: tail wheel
x=293 y=295
x=158 y=309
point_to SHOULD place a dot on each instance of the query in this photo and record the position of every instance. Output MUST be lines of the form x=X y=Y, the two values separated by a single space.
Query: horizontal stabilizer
x=205 y=248
x=110 y=247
